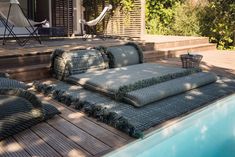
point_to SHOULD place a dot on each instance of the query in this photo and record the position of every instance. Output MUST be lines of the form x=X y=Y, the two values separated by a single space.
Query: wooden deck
x=32 y=61
x=48 y=46
x=220 y=62
x=73 y=133
x=70 y=134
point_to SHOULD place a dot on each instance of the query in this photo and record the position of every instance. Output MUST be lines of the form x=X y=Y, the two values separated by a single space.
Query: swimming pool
x=209 y=132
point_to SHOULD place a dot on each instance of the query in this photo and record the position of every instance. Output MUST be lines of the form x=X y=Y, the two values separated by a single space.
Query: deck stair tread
x=189 y=47
x=47 y=49
x=25 y=68
x=29 y=73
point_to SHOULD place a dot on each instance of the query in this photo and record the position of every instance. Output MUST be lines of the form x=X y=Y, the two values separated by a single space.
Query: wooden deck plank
x=103 y=132
x=34 y=145
x=58 y=141
x=97 y=131
x=83 y=139
x=10 y=148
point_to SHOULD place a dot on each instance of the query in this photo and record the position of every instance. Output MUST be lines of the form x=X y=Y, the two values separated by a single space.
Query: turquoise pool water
x=209 y=132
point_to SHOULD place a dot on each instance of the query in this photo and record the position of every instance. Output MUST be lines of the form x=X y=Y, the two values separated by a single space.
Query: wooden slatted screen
x=117 y=23
x=62 y=15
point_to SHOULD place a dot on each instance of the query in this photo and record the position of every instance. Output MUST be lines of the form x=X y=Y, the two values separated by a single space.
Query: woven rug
x=130 y=119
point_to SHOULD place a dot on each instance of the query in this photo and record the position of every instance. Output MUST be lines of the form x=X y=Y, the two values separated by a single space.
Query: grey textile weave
x=163 y=90
x=124 y=55
x=118 y=81
x=19 y=110
x=128 y=118
x=10 y=83
x=74 y=62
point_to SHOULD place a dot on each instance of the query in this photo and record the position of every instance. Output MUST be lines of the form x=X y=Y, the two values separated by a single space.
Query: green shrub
x=186 y=21
x=171 y=18
x=214 y=19
x=160 y=15
x=218 y=22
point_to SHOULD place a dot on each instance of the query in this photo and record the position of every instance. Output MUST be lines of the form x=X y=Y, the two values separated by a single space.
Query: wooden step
x=156 y=45
x=176 y=51
x=185 y=42
x=150 y=56
x=67 y=45
x=22 y=61
x=29 y=73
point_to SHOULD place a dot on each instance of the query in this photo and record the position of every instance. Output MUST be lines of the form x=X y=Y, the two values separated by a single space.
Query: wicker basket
x=190 y=60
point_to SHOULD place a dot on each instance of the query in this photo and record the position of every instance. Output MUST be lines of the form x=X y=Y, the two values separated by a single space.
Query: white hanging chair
x=94 y=22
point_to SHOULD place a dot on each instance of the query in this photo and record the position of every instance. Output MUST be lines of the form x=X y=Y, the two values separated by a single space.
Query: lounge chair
x=12 y=15
x=91 y=24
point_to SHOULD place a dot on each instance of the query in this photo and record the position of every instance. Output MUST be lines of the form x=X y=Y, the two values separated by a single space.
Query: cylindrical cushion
x=124 y=55
x=144 y=96
x=74 y=62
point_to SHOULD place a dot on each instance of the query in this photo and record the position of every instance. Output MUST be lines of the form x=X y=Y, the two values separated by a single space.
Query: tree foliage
x=159 y=15
x=216 y=19
x=218 y=22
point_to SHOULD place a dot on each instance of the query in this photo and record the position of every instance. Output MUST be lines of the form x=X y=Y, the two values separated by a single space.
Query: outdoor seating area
x=136 y=78
x=108 y=85
x=121 y=95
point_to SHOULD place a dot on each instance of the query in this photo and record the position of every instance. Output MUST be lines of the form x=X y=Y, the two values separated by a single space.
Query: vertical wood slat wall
x=117 y=23
x=62 y=15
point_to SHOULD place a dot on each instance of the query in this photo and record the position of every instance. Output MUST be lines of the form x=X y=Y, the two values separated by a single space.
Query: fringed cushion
x=117 y=82
x=50 y=111
x=124 y=55
x=9 y=83
x=73 y=62
x=19 y=110
x=154 y=93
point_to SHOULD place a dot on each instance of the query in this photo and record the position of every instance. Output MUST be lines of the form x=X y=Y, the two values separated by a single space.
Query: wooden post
x=234 y=38
x=143 y=3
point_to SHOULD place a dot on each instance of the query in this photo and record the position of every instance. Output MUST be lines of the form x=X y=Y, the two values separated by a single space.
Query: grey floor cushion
x=118 y=81
x=21 y=109
x=65 y=63
x=154 y=93
x=124 y=55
